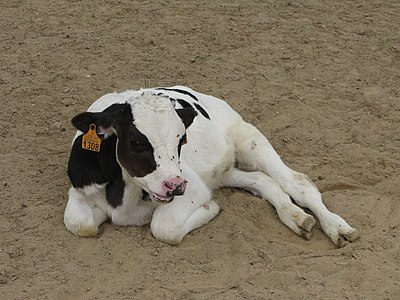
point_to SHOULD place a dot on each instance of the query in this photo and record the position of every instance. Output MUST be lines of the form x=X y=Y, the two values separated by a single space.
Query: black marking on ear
x=111 y=116
x=179 y=91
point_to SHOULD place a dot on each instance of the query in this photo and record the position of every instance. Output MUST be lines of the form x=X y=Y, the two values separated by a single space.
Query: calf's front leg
x=82 y=218
x=172 y=221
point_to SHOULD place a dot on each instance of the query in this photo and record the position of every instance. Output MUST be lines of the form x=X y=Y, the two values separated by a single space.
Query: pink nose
x=174 y=187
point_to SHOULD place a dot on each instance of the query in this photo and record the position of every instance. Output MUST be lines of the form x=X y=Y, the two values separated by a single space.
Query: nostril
x=177 y=191
x=168 y=185
x=181 y=188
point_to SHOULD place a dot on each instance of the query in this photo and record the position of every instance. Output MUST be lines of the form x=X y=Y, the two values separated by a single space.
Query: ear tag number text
x=90 y=140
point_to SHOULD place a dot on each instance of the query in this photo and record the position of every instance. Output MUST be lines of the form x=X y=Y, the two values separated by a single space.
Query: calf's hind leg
x=254 y=152
x=262 y=185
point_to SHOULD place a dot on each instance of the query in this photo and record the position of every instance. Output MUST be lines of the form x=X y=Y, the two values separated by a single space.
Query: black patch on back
x=202 y=110
x=185 y=104
x=180 y=91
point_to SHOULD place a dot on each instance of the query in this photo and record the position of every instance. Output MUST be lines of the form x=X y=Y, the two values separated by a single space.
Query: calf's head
x=150 y=134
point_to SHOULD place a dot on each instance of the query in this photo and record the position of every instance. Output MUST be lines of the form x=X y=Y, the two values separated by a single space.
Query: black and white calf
x=144 y=173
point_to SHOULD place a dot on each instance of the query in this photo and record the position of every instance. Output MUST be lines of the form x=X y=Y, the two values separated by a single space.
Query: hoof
x=89 y=231
x=306 y=228
x=347 y=237
x=308 y=224
x=306 y=235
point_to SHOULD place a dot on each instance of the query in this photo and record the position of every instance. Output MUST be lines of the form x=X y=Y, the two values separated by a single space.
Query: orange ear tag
x=90 y=140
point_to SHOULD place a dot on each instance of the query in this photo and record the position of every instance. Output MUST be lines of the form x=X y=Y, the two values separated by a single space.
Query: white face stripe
x=155 y=117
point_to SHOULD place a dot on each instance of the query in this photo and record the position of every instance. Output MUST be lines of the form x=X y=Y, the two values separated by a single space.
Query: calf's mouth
x=160 y=198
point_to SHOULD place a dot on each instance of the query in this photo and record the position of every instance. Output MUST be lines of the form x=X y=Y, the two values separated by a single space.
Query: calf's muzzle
x=174 y=186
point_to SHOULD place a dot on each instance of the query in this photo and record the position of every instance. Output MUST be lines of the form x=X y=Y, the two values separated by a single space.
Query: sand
x=319 y=78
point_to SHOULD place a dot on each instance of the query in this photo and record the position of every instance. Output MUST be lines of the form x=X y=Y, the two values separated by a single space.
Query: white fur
x=149 y=114
x=208 y=162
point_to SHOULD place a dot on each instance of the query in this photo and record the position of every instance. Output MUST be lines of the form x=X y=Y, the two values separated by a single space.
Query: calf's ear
x=107 y=121
x=83 y=120
x=187 y=115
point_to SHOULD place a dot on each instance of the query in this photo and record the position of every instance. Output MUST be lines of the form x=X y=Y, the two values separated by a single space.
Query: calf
x=129 y=163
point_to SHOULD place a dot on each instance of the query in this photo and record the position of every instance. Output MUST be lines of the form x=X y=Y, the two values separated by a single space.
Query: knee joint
x=167 y=232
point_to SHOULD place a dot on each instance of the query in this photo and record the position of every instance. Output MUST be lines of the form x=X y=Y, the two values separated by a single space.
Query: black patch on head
x=135 y=152
x=180 y=91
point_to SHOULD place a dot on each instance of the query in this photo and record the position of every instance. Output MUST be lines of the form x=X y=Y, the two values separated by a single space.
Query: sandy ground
x=319 y=78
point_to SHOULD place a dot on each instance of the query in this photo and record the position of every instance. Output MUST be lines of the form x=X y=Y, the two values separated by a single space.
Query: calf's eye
x=138 y=146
